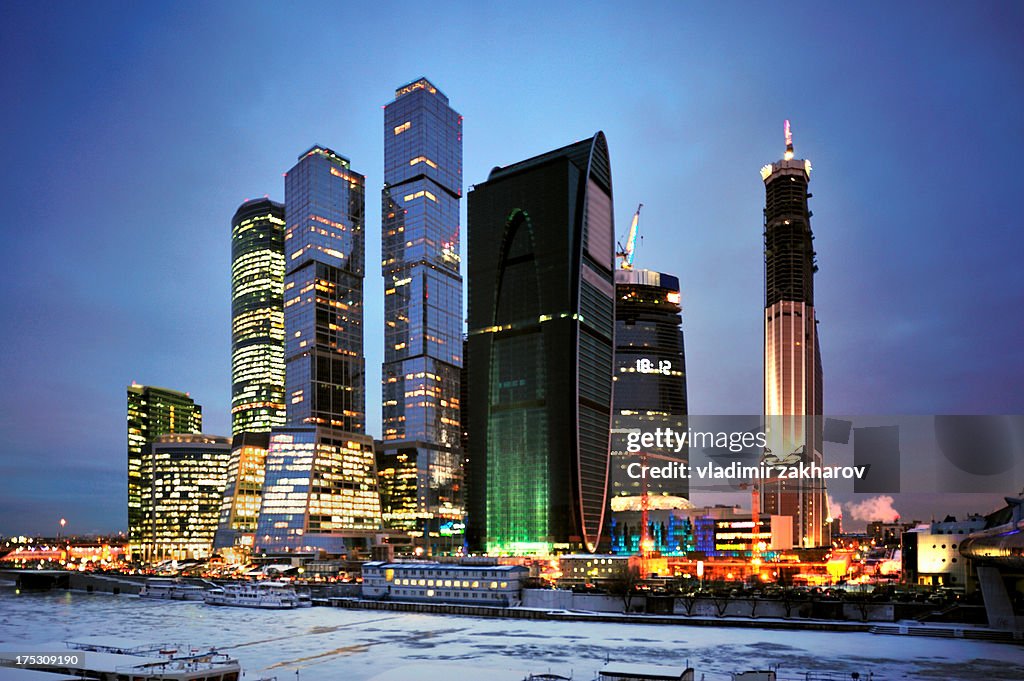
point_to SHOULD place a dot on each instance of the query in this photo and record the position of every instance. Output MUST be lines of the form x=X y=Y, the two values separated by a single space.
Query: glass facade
x=420 y=264
x=793 y=382
x=670 y=532
x=257 y=317
x=541 y=323
x=152 y=412
x=320 y=484
x=323 y=292
x=185 y=477
x=243 y=492
x=320 y=491
x=650 y=374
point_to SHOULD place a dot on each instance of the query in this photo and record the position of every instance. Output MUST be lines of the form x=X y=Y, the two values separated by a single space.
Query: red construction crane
x=646 y=543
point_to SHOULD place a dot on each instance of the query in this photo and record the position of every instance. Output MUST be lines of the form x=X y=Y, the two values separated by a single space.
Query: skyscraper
x=257 y=361
x=320 y=490
x=541 y=324
x=323 y=292
x=152 y=412
x=185 y=476
x=257 y=317
x=650 y=379
x=793 y=402
x=419 y=461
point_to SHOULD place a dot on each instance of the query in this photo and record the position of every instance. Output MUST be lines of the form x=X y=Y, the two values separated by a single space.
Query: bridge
x=997 y=553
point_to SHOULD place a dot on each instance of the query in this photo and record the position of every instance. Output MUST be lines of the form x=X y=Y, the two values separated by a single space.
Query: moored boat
x=171 y=589
x=267 y=595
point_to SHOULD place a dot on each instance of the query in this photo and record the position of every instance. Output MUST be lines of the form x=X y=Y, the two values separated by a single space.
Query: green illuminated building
x=541 y=325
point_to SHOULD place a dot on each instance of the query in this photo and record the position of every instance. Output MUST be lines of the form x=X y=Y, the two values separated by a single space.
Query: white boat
x=171 y=589
x=269 y=595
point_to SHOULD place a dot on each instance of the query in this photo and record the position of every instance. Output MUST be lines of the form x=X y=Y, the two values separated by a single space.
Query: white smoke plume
x=835 y=509
x=876 y=508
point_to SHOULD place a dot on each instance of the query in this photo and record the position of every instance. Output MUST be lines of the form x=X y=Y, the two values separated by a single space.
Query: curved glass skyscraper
x=257 y=362
x=257 y=317
x=541 y=324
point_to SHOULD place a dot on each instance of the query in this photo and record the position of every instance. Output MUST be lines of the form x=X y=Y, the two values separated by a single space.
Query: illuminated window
x=399 y=129
x=423 y=159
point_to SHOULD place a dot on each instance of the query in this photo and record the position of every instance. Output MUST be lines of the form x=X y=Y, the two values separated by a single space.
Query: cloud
x=876 y=508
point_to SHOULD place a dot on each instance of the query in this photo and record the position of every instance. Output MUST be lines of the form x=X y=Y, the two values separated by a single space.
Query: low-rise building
x=931 y=552
x=494 y=585
x=588 y=568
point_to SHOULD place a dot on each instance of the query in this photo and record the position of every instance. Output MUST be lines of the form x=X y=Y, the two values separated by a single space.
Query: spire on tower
x=789 y=141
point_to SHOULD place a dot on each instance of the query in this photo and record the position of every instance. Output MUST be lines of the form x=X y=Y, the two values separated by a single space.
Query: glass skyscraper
x=257 y=317
x=320 y=489
x=419 y=460
x=152 y=412
x=257 y=361
x=650 y=381
x=793 y=385
x=540 y=351
x=323 y=292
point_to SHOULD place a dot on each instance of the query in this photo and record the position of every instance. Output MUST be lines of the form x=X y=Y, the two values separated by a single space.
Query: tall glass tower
x=320 y=489
x=152 y=412
x=323 y=292
x=650 y=380
x=257 y=317
x=540 y=351
x=257 y=362
x=420 y=460
x=793 y=403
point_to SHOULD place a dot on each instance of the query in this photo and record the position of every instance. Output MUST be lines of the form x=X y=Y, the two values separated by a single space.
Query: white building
x=931 y=552
x=494 y=585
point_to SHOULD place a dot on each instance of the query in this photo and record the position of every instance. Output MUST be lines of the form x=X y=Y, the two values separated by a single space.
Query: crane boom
x=628 y=252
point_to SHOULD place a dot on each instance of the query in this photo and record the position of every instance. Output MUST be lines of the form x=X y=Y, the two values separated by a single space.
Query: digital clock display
x=648 y=366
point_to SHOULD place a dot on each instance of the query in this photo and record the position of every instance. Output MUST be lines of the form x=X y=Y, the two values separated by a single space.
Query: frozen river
x=334 y=643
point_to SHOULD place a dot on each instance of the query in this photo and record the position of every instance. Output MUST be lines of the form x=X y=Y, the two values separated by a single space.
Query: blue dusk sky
x=132 y=131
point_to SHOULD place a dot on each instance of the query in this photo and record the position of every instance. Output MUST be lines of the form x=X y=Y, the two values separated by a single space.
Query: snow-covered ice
x=356 y=645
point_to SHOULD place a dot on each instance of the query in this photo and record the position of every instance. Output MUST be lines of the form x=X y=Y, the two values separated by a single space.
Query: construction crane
x=646 y=541
x=626 y=253
x=755 y=513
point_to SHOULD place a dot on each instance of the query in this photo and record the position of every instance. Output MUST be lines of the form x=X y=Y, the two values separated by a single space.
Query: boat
x=268 y=595
x=171 y=589
x=115 y=661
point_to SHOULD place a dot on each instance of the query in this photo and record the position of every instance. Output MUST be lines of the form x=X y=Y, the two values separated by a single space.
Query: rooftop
x=420 y=83
x=444 y=566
